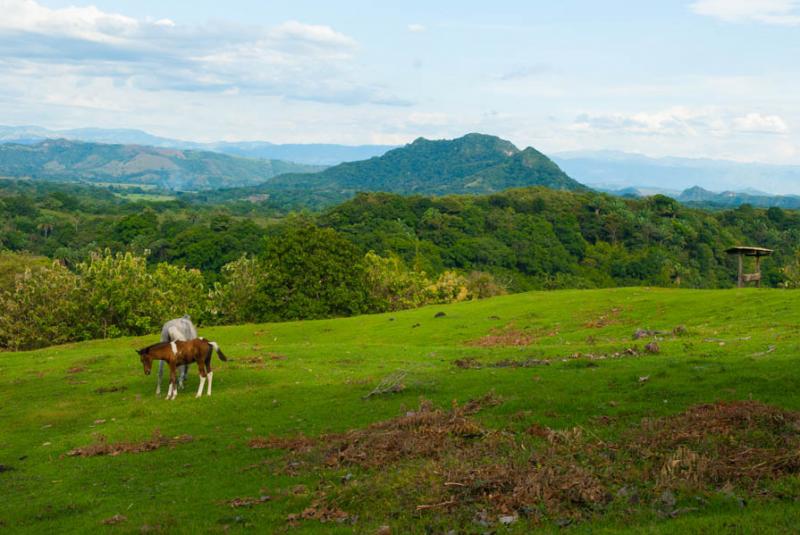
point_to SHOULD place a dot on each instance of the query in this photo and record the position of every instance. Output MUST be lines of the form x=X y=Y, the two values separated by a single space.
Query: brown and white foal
x=179 y=353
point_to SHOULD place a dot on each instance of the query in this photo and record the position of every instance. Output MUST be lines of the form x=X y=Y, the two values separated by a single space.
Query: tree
x=311 y=272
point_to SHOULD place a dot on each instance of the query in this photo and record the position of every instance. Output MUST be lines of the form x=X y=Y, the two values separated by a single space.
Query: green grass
x=740 y=344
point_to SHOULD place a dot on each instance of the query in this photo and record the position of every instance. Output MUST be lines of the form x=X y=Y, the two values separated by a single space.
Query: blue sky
x=697 y=78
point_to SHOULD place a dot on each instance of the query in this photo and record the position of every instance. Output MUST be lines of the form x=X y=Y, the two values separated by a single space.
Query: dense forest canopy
x=528 y=238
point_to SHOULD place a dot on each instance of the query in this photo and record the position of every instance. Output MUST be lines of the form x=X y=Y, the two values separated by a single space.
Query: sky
x=692 y=78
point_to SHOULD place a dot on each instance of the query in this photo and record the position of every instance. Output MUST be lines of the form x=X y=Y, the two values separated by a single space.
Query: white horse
x=177 y=330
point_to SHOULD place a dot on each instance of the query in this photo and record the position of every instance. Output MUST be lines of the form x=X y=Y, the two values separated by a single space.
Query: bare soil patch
x=503 y=337
x=472 y=363
x=110 y=389
x=610 y=317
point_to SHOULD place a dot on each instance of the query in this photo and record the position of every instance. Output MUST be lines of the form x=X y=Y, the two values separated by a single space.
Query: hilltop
x=474 y=163
x=560 y=382
x=76 y=161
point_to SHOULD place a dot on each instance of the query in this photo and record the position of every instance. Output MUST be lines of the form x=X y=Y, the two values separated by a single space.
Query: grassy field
x=310 y=378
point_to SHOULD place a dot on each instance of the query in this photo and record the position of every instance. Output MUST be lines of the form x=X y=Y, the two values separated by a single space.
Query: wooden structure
x=757 y=253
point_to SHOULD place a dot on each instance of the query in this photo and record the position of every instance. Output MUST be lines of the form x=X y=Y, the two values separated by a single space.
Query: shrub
x=392 y=286
x=234 y=300
x=43 y=307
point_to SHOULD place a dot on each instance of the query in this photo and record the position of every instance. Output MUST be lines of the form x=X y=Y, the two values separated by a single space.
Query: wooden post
x=758 y=271
x=741 y=271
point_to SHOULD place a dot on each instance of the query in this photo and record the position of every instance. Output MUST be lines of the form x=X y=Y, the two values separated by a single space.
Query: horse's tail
x=220 y=354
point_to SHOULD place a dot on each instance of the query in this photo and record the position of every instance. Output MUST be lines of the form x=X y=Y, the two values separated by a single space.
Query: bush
x=43 y=307
x=234 y=300
x=122 y=297
x=392 y=286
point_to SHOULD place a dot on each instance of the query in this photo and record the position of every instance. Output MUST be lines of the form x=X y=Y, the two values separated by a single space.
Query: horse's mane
x=155 y=346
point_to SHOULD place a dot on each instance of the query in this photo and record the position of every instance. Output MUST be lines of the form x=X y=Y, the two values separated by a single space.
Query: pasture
x=562 y=371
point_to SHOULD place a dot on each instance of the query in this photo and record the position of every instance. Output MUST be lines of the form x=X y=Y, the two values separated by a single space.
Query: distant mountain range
x=320 y=154
x=76 y=161
x=610 y=170
x=475 y=163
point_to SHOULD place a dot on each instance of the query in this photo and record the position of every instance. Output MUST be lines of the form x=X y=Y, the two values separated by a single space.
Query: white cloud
x=780 y=12
x=416 y=28
x=292 y=60
x=681 y=122
x=755 y=123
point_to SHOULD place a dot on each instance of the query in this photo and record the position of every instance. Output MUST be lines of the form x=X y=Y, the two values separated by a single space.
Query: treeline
x=301 y=272
x=536 y=238
x=528 y=238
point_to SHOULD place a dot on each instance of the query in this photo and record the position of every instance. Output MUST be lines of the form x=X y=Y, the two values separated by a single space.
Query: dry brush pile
x=439 y=460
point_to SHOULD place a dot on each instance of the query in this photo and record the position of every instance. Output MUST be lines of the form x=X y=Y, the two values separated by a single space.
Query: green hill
x=574 y=396
x=63 y=160
x=475 y=163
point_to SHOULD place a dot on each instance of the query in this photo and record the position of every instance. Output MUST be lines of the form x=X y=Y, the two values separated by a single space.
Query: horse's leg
x=160 y=375
x=209 y=373
x=201 y=371
x=173 y=380
x=182 y=376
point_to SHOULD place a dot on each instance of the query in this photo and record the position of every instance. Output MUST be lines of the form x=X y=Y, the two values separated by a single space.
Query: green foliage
x=311 y=272
x=123 y=297
x=43 y=307
x=234 y=299
x=392 y=286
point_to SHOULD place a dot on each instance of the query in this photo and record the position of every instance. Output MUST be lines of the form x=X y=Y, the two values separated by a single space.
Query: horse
x=179 y=329
x=181 y=353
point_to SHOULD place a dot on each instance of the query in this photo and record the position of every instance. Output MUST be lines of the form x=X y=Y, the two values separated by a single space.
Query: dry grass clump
x=741 y=442
x=103 y=447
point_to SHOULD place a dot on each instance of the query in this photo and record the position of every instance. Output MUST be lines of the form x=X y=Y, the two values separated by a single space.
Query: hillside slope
x=577 y=365
x=62 y=160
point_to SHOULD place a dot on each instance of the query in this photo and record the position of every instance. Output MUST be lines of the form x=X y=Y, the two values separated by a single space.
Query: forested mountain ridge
x=74 y=161
x=474 y=163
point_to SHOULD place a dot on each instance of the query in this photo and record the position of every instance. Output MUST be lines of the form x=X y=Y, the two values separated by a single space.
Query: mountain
x=310 y=154
x=729 y=199
x=612 y=170
x=71 y=161
x=475 y=163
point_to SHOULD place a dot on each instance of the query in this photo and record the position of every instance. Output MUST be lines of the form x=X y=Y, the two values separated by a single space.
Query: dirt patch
x=319 y=510
x=627 y=352
x=253 y=360
x=236 y=503
x=610 y=317
x=468 y=363
x=472 y=363
x=103 y=447
x=110 y=389
x=76 y=369
x=503 y=337
x=116 y=519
